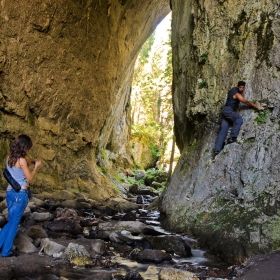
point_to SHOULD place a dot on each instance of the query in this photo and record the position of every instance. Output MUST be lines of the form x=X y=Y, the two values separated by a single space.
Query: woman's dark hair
x=19 y=148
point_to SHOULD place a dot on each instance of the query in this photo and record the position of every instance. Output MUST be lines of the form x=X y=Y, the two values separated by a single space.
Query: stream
x=203 y=266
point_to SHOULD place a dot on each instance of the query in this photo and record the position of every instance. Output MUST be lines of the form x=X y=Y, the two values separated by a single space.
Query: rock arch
x=65 y=75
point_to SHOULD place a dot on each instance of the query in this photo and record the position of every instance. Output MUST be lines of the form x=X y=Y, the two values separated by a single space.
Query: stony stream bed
x=114 y=239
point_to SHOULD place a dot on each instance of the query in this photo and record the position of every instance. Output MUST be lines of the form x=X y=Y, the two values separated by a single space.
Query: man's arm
x=247 y=102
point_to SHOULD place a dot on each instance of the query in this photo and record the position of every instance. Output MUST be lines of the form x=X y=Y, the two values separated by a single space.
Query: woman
x=17 y=201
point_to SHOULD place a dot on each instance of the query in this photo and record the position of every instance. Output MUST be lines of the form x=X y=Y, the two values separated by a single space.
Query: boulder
x=176 y=274
x=77 y=254
x=133 y=275
x=24 y=243
x=150 y=255
x=139 y=174
x=42 y=217
x=137 y=190
x=171 y=244
x=98 y=246
x=37 y=202
x=52 y=248
x=65 y=225
x=36 y=231
x=134 y=227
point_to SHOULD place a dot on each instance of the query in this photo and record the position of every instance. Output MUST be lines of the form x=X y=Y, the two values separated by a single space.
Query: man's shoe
x=231 y=140
x=216 y=153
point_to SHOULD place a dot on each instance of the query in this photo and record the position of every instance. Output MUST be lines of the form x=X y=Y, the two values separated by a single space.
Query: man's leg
x=222 y=135
x=237 y=123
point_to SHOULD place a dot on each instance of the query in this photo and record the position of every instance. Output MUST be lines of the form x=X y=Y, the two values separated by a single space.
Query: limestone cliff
x=65 y=75
x=230 y=203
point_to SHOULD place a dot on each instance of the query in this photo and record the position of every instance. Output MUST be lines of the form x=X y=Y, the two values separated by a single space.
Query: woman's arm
x=29 y=175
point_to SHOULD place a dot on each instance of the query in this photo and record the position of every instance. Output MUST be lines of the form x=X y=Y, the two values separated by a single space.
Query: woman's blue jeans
x=16 y=203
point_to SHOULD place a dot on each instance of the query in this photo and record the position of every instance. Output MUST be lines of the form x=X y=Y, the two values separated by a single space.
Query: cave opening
x=152 y=137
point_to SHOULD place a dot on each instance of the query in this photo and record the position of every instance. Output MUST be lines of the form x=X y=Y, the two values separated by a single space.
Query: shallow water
x=197 y=263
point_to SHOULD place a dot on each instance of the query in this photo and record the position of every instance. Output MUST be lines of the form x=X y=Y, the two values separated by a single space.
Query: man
x=229 y=116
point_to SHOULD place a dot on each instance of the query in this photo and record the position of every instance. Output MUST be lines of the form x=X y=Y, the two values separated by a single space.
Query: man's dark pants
x=228 y=117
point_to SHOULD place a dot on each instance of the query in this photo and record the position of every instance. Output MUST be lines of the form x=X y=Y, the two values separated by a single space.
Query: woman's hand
x=37 y=164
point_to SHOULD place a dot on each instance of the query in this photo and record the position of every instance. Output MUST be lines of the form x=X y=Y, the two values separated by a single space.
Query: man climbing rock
x=229 y=116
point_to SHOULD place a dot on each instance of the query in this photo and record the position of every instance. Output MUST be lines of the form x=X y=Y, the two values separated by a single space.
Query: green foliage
x=203 y=58
x=144 y=52
x=130 y=180
x=104 y=170
x=261 y=118
x=249 y=140
x=203 y=84
x=151 y=99
x=154 y=150
x=103 y=154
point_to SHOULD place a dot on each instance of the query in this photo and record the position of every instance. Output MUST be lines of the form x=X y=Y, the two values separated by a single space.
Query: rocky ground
x=69 y=236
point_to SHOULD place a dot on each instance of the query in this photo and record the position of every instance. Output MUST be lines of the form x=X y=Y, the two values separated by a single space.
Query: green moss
x=203 y=58
x=203 y=84
x=104 y=170
x=265 y=38
x=250 y=140
x=274 y=233
x=103 y=154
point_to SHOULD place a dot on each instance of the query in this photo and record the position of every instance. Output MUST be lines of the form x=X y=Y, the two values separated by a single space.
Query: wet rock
x=24 y=243
x=131 y=216
x=77 y=254
x=98 y=246
x=87 y=222
x=68 y=213
x=2 y=220
x=121 y=205
x=152 y=270
x=152 y=231
x=118 y=216
x=155 y=256
x=139 y=174
x=171 y=244
x=65 y=225
x=140 y=199
x=133 y=275
x=176 y=274
x=41 y=217
x=153 y=223
x=36 y=231
x=100 y=275
x=67 y=221
x=137 y=190
x=128 y=237
x=106 y=228
x=52 y=248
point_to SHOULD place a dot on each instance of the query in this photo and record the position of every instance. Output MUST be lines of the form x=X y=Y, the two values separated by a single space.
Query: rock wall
x=65 y=74
x=231 y=204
